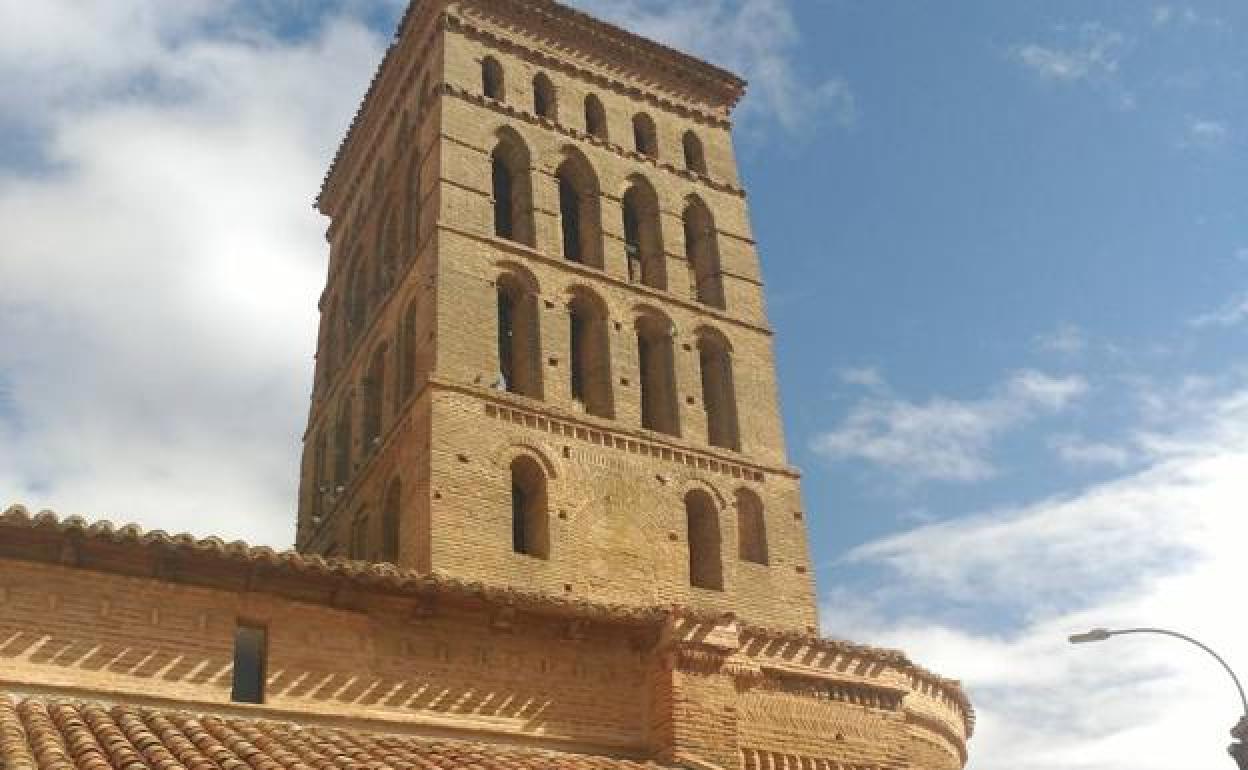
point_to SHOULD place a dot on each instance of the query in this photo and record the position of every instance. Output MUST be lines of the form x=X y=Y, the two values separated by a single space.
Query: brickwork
x=544 y=495
x=615 y=291
x=90 y=612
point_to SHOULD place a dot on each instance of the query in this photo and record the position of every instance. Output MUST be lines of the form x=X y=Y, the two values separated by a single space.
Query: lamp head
x=1095 y=635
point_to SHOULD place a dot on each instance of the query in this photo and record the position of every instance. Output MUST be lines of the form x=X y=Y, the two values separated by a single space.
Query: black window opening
x=250 y=651
x=570 y=219
x=504 y=226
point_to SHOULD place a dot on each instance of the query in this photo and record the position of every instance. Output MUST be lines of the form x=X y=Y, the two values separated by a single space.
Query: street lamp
x=1238 y=751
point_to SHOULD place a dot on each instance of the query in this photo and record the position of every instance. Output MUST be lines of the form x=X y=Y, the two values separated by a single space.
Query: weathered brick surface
x=89 y=611
x=658 y=599
x=616 y=509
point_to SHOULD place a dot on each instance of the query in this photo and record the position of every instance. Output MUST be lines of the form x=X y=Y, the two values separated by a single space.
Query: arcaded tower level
x=544 y=357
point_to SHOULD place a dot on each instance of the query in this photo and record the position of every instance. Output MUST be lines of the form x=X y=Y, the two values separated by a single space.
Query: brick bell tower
x=544 y=359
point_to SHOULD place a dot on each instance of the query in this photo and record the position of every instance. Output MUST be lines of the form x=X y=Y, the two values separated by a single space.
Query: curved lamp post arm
x=1101 y=634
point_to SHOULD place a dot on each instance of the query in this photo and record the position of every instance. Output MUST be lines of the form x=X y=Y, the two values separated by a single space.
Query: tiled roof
x=389 y=578
x=381 y=577
x=62 y=735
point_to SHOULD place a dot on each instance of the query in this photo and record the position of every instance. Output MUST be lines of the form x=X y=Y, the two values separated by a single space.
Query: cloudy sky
x=1007 y=258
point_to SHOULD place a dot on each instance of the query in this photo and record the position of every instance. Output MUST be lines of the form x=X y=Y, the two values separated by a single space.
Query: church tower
x=544 y=359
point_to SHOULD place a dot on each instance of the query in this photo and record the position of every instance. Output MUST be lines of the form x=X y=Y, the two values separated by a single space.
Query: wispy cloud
x=1091 y=52
x=863 y=376
x=1067 y=339
x=1232 y=313
x=1204 y=133
x=757 y=38
x=1078 y=451
x=944 y=439
x=1158 y=546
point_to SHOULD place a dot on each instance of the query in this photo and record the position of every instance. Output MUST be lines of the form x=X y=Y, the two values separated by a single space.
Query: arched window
x=320 y=484
x=342 y=446
x=544 y=104
x=357 y=297
x=643 y=241
x=413 y=208
x=512 y=190
x=645 y=137
x=718 y=392
x=389 y=551
x=387 y=250
x=656 y=365
x=330 y=348
x=589 y=342
x=492 y=84
x=379 y=178
x=579 y=211
x=595 y=117
x=374 y=399
x=530 y=532
x=519 y=344
x=409 y=344
x=706 y=569
x=695 y=158
x=702 y=252
x=359 y=536
x=403 y=140
x=751 y=528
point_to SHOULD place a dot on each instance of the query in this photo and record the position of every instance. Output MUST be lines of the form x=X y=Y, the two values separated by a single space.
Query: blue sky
x=1006 y=251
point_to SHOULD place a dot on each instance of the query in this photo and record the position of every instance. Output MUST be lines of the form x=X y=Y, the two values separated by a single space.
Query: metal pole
x=1243 y=700
x=1238 y=750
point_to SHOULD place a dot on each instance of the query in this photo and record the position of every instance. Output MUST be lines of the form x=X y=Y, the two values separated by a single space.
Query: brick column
x=693 y=719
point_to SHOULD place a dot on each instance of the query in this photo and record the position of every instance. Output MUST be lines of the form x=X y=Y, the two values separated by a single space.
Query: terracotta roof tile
x=63 y=735
x=393 y=579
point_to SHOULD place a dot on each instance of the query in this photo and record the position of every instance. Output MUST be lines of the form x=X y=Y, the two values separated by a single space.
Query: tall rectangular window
x=250 y=651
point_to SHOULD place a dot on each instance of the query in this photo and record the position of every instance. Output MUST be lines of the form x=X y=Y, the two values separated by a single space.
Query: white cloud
x=1232 y=313
x=162 y=260
x=755 y=38
x=1161 y=546
x=1162 y=15
x=1094 y=52
x=1204 y=133
x=944 y=439
x=1067 y=339
x=1078 y=451
x=864 y=377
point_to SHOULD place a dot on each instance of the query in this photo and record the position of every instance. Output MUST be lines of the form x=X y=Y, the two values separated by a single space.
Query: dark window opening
x=644 y=136
x=643 y=244
x=595 y=117
x=718 y=394
x=589 y=343
x=359 y=537
x=576 y=343
x=695 y=158
x=544 y=97
x=659 y=410
x=504 y=227
x=751 y=528
x=706 y=569
x=570 y=218
x=342 y=447
x=702 y=253
x=390 y=524
x=519 y=351
x=492 y=78
x=250 y=651
x=529 y=529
